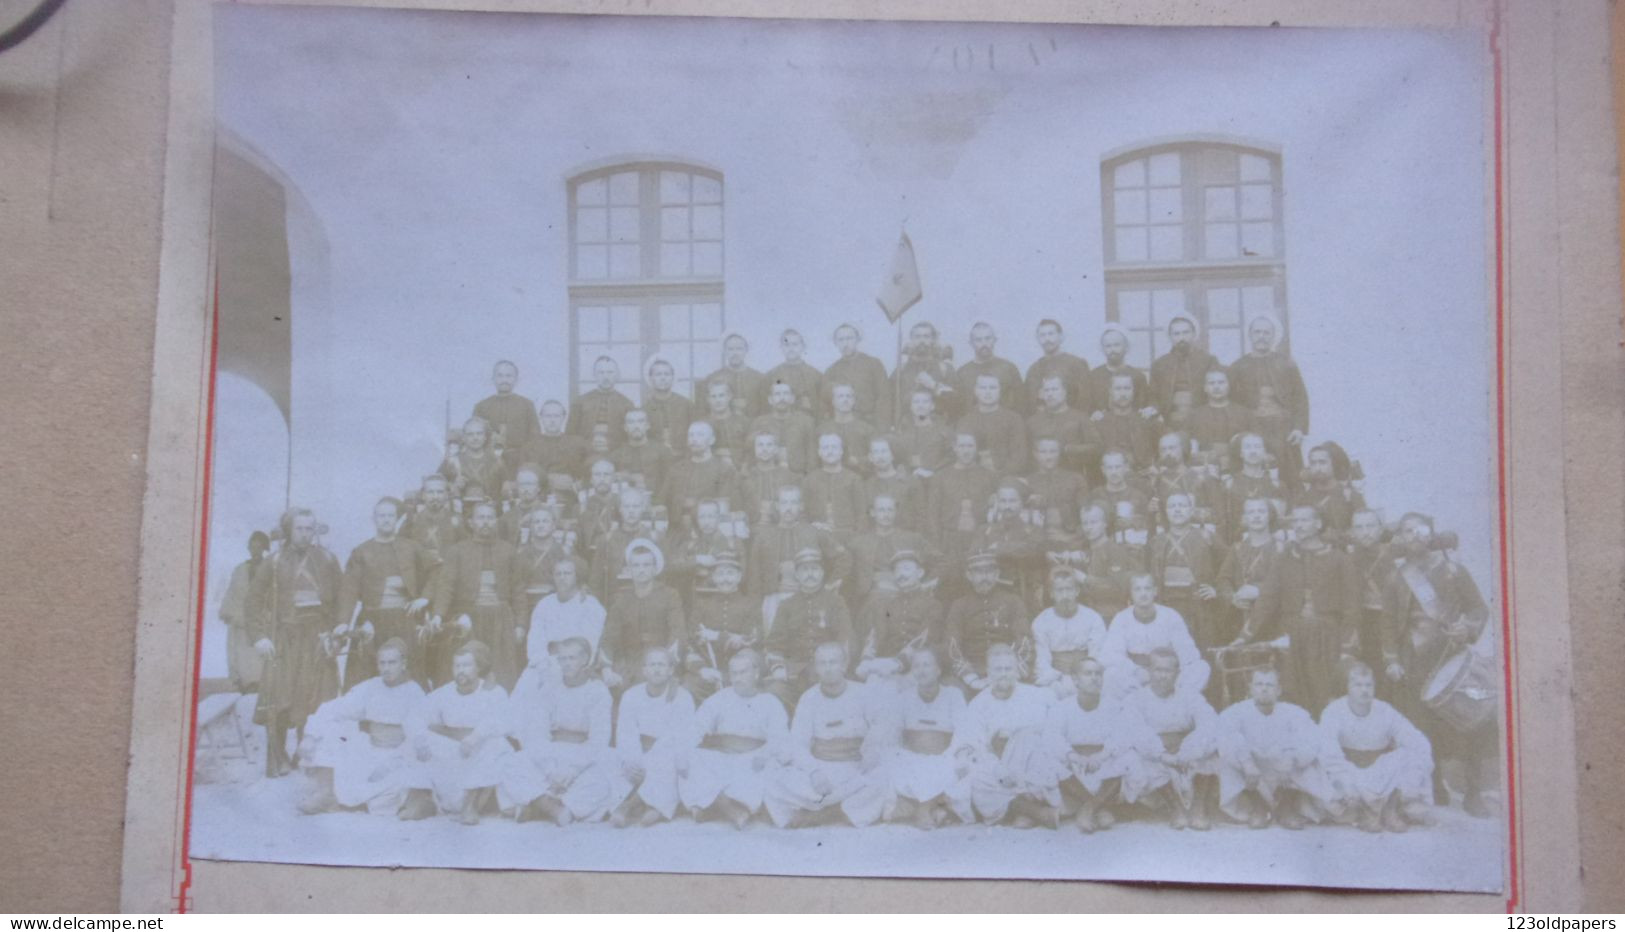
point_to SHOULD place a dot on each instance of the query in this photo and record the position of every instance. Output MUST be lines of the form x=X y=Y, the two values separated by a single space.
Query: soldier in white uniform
x=926 y=781
x=1175 y=739
x=831 y=761
x=1001 y=742
x=1380 y=764
x=563 y=770
x=733 y=740
x=355 y=748
x=457 y=734
x=654 y=718
x=1269 y=753
x=1092 y=742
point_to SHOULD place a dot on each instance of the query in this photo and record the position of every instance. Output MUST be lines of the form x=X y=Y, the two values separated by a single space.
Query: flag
x=902 y=288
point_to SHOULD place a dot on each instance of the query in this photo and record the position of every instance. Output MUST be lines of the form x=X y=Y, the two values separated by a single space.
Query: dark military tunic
x=1100 y=386
x=872 y=554
x=760 y=491
x=1183 y=559
x=733 y=437
x=478 y=581
x=774 y=549
x=891 y=621
x=1250 y=564
x=513 y=425
x=1012 y=390
x=977 y=622
x=855 y=434
x=600 y=406
x=1074 y=373
x=1002 y=433
x=688 y=483
x=557 y=454
x=927 y=446
x=748 y=386
x=727 y=613
x=835 y=497
x=1213 y=427
x=1271 y=385
x=638 y=622
x=1068 y=426
x=383 y=577
x=1129 y=432
x=292 y=600
x=805 y=380
x=867 y=376
x=669 y=417
x=1060 y=494
x=1314 y=595
x=1180 y=369
x=649 y=460
x=906 y=490
x=796 y=434
x=803 y=621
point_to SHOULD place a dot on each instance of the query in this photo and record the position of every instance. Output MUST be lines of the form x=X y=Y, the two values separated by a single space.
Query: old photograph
x=897 y=449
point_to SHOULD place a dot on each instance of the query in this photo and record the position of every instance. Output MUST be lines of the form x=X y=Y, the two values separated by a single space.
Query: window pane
x=1128 y=206
x=624 y=224
x=625 y=262
x=674 y=187
x=1221 y=241
x=673 y=322
x=1220 y=203
x=674 y=260
x=707 y=321
x=629 y=357
x=595 y=191
x=1134 y=309
x=1225 y=343
x=1129 y=175
x=1165 y=168
x=1167 y=243
x=1131 y=244
x=587 y=354
x=626 y=323
x=592 y=225
x=1258 y=239
x=708 y=222
x=707 y=190
x=623 y=188
x=1256 y=168
x=1223 y=307
x=592 y=324
x=592 y=262
x=1167 y=205
x=674 y=224
x=1257 y=202
x=1166 y=304
x=1258 y=299
x=708 y=259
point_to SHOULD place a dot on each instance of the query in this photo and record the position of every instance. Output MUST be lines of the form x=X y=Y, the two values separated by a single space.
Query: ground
x=239 y=815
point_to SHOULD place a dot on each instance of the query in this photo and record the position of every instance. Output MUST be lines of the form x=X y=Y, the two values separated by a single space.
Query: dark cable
x=29 y=24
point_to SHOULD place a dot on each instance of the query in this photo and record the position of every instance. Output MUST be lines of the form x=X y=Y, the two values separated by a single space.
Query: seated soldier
x=924 y=441
x=834 y=493
x=1379 y=763
x=699 y=548
x=564 y=769
x=701 y=476
x=1127 y=505
x=653 y=720
x=925 y=782
x=731 y=427
x=762 y=478
x=874 y=550
x=1142 y=628
x=907 y=491
x=1217 y=419
x=648 y=614
x=1013 y=541
x=1065 y=633
x=1176 y=749
x=854 y=431
x=387 y=577
x=814 y=614
x=1185 y=562
x=795 y=429
x=897 y=623
x=1107 y=564
x=1001 y=432
x=726 y=621
x=1252 y=479
x=356 y=753
x=1092 y=744
x=568 y=612
x=1056 y=420
x=722 y=763
x=634 y=522
x=1000 y=745
x=473 y=464
x=773 y=549
x=1269 y=759
x=555 y=451
x=526 y=498
x=643 y=461
x=987 y=616
x=833 y=752
x=457 y=734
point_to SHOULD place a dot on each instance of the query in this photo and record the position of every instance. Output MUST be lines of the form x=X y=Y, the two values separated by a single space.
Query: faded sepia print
x=895 y=449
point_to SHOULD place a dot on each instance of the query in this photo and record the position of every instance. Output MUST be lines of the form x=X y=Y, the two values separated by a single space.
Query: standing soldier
x=874 y=550
x=1072 y=371
x=1057 y=493
x=1251 y=478
x=436 y=528
x=556 y=451
x=1374 y=564
x=1012 y=393
x=471 y=601
x=834 y=492
x=906 y=490
x=805 y=380
x=924 y=441
x=527 y=497
x=866 y=375
x=603 y=405
x=1215 y=422
x=1268 y=381
x=775 y=549
x=474 y=471
x=545 y=545
x=855 y=432
x=1247 y=569
x=1060 y=422
x=960 y=496
x=1120 y=426
x=1182 y=368
x=1316 y=595
x=729 y=426
x=1185 y=562
x=1114 y=346
x=388 y=577
x=669 y=413
x=1001 y=433
x=1107 y=565
x=926 y=366
x=1329 y=489
x=795 y=430
x=813 y=615
x=745 y=385
x=293 y=600
x=641 y=460
x=243 y=662
x=1127 y=504
x=762 y=479
x=1174 y=475
x=512 y=416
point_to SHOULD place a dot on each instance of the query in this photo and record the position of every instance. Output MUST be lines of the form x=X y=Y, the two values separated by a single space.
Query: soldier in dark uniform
x=512 y=416
x=924 y=441
x=1127 y=504
x=1114 y=345
x=989 y=614
x=1012 y=392
x=895 y=622
x=1268 y=382
x=1108 y=566
x=1251 y=477
x=1314 y=595
x=1214 y=423
x=854 y=431
x=746 y=386
x=1182 y=368
x=1016 y=544
x=1121 y=426
x=866 y=375
x=732 y=428
x=960 y=496
x=699 y=476
x=795 y=430
x=1247 y=568
x=812 y=615
x=774 y=549
x=1327 y=487
x=874 y=550
x=472 y=601
x=1185 y=562
x=435 y=527
x=556 y=451
x=542 y=549
x=886 y=478
x=700 y=546
x=603 y=405
x=1374 y=562
x=1057 y=493
x=725 y=622
x=1072 y=371
x=646 y=614
x=1056 y=419
x=291 y=602
x=802 y=377
x=762 y=479
x=386 y=576
x=1001 y=433
x=1174 y=474
x=926 y=366
x=834 y=493
x=475 y=471
x=669 y=413
x=641 y=460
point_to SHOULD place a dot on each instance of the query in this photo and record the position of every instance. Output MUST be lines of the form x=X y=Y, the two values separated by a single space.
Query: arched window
x=1193 y=227
x=646 y=271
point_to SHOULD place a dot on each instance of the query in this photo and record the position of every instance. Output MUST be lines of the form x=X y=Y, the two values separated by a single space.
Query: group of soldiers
x=933 y=595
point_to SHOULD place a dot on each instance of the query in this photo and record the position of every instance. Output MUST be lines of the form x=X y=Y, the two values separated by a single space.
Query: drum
x=1464 y=690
